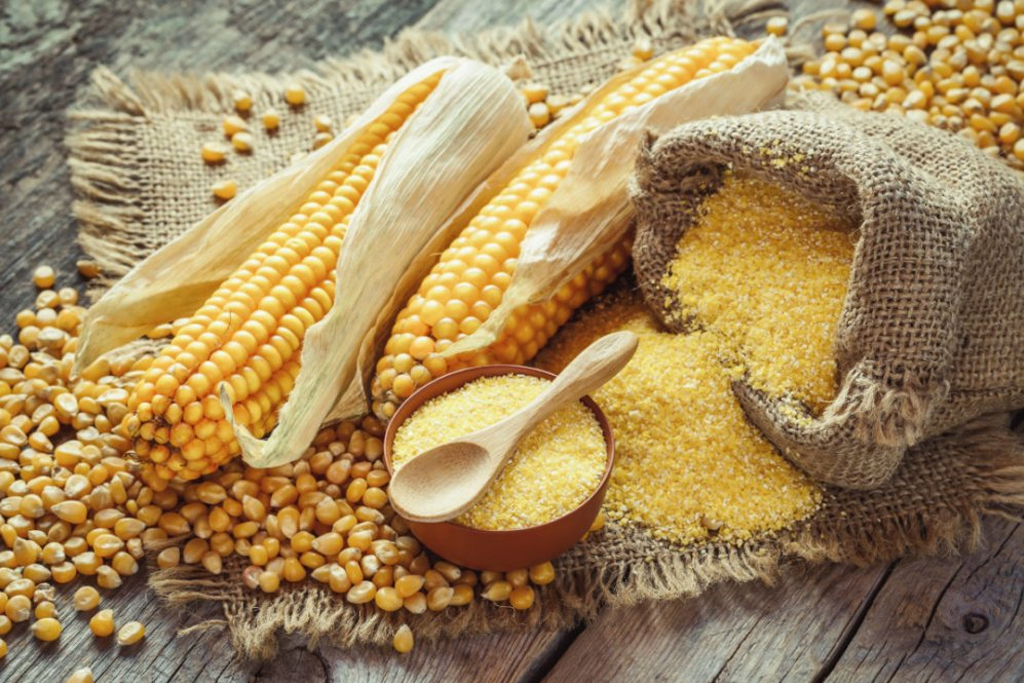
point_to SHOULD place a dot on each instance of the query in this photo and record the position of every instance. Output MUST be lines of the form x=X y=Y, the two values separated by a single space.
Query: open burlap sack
x=134 y=163
x=930 y=336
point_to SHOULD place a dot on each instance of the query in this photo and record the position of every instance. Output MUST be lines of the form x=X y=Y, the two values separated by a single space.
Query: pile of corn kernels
x=955 y=64
x=74 y=510
x=70 y=503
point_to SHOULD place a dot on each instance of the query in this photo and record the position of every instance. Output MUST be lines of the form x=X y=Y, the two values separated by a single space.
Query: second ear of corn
x=470 y=279
x=249 y=332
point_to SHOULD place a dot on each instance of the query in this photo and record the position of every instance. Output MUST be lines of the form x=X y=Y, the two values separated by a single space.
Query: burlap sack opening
x=135 y=166
x=929 y=336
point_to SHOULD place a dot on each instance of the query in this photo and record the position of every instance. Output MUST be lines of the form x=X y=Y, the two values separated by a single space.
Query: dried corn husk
x=471 y=123
x=590 y=209
x=174 y=281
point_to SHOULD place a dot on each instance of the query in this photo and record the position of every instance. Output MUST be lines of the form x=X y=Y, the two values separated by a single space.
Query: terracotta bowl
x=501 y=550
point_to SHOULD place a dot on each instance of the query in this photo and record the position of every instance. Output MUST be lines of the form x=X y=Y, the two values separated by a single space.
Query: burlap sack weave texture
x=930 y=334
x=135 y=164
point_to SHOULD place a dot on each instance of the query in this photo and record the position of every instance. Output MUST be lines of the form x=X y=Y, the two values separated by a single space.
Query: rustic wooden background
x=956 y=619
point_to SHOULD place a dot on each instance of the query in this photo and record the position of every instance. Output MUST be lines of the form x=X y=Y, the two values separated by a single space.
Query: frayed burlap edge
x=991 y=465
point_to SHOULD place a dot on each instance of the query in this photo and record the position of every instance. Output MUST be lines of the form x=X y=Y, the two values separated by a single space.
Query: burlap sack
x=135 y=165
x=930 y=336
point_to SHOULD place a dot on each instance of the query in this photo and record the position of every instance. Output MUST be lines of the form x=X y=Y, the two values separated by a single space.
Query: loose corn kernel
x=213 y=153
x=47 y=629
x=224 y=189
x=45 y=609
x=87 y=269
x=43 y=277
x=233 y=124
x=403 y=641
x=323 y=123
x=542 y=574
x=497 y=591
x=242 y=100
x=521 y=598
x=102 y=623
x=131 y=633
x=19 y=608
x=777 y=26
x=242 y=141
x=83 y=675
x=295 y=95
x=86 y=598
x=271 y=119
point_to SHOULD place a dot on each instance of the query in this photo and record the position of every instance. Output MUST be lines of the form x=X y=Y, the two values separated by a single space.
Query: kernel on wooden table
x=775 y=301
x=688 y=465
x=958 y=68
x=249 y=331
x=470 y=278
x=70 y=504
x=553 y=470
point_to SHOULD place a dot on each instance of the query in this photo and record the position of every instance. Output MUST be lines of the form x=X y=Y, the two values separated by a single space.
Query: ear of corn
x=470 y=278
x=248 y=334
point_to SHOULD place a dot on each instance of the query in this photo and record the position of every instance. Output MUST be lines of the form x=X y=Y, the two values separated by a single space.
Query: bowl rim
x=428 y=391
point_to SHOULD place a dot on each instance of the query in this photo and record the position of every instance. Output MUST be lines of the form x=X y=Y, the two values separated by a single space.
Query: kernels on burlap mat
x=135 y=163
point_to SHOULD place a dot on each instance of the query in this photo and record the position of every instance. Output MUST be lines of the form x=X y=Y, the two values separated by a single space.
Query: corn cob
x=470 y=278
x=249 y=332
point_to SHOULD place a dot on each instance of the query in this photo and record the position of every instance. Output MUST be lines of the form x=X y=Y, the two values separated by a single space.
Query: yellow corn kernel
x=271 y=119
x=86 y=598
x=224 y=189
x=242 y=100
x=83 y=675
x=131 y=633
x=47 y=629
x=102 y=623
x=43 y=277
x=213 y=153
x=295 y=95
x=233 y=124
x=403 y=641
x=521 y=598
x=19 y=608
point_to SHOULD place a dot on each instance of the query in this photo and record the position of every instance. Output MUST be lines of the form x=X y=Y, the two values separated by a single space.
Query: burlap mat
x=134 y=160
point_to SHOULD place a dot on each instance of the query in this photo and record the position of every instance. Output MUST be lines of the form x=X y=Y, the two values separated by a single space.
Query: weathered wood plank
x=732 y=632
x=953 y=620
x=499 y=658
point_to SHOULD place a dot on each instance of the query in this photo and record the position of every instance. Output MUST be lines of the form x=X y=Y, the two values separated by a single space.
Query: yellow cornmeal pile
x=766 y=271
x=554 y=469
x=687 y=462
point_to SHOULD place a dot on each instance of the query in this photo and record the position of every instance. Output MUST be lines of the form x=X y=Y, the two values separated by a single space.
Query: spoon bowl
x=513 y=548
x=465 y=457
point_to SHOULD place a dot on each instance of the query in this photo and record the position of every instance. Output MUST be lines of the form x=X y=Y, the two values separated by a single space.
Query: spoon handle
x=588 y=372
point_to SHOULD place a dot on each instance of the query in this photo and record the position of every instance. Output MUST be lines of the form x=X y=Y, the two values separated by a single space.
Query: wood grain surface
x=925 y=620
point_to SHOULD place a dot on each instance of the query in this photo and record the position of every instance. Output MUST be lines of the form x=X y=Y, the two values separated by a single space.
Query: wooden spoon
x=447 y=480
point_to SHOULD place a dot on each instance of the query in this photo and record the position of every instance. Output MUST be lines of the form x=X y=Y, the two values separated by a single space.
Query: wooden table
x=914 y=620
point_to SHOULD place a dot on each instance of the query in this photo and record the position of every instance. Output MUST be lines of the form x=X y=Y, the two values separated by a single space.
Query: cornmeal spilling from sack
x=761 y=276
x=765 y=271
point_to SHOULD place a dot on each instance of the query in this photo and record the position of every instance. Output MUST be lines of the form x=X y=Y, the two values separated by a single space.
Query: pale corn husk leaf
x=471 y=123
x=174 y=281
x=590 y=209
